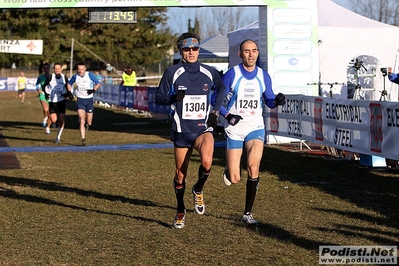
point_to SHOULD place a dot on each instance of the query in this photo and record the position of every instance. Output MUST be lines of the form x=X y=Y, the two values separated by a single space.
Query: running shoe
x=57 y=141
x=48 y=130
x=87 y=127
x=199 y=203
x=249 y=219
x=226 y=178
x=44 y=123
x=180 y=220
x=83 y=142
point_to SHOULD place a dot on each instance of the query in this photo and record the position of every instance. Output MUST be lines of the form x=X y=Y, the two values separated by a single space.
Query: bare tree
x=212 y=20
x=385 y=11
x=226 y=19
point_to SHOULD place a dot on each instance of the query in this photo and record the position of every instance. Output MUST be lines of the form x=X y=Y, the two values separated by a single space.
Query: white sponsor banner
x=21 y=46
x=293 y=31
x=292 y=63
x=288 y=45
x=367 y=127
x=11 y=84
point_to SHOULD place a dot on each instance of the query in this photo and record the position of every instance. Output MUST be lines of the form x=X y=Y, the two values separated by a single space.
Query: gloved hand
x=280 y=99
x=46 y=95
x=233 y=119
x=90 y=92
x=212 y=120
x=70 y=95
x=180 y=95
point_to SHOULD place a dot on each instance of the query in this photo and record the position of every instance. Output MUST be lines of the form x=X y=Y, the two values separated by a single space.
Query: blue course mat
x=109 y=147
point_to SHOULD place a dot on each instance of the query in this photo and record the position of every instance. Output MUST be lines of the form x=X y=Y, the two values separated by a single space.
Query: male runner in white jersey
x=189 y=87
x=248 y=88
x=55 y=91
x=86 y=83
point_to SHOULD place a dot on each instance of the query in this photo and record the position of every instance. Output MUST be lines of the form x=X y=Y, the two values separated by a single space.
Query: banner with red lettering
x=352 y=125
x=140 y=98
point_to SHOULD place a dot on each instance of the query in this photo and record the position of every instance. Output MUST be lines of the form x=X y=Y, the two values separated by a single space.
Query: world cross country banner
x=130 y=3
x=352 y=125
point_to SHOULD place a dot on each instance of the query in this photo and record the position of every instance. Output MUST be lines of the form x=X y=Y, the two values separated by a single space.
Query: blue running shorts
x=85 y=104
x=238 y=144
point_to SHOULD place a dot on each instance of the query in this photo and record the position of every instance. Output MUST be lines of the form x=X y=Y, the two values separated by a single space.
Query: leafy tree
x=139 y=44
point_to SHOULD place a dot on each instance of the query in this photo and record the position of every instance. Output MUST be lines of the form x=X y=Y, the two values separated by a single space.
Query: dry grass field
x=116 y=206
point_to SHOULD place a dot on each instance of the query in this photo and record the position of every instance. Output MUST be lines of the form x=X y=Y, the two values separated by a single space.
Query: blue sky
x=344 y=3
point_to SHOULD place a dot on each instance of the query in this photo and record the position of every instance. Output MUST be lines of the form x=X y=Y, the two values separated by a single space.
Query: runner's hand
x=233 y=119
x=70 y=95
x=180 y=95
x=212 y=120
x=280 y=99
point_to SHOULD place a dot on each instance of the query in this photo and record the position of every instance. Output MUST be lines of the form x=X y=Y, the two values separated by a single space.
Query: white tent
x=343 y=36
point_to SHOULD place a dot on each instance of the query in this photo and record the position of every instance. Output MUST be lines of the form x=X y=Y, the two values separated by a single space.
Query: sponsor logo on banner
x=318 y=119
x=274 y=125
x=140 y=98
x=31 y=84
x=376 y=136
x=3 y=84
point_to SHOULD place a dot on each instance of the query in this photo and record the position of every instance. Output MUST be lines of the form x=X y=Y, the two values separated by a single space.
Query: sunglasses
x=187 y=49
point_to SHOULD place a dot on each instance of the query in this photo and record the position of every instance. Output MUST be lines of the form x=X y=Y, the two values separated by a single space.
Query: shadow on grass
x=5 y=138
x=120 y=121
x=52 y=186
x=278 y=233
x=377 y=236
x=282 y=235
x=103 y=120
x=345 y=180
